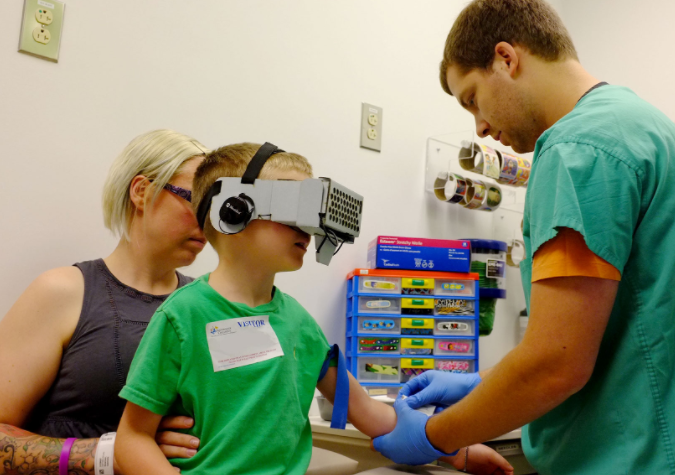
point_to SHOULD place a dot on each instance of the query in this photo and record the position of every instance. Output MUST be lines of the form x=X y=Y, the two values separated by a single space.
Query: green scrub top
x=607 y=170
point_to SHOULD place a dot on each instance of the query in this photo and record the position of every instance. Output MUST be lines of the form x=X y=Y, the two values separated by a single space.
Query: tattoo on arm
x=25 y=453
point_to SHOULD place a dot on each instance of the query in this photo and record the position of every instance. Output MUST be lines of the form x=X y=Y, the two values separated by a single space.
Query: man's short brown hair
x=532 y=24
x=231 y=161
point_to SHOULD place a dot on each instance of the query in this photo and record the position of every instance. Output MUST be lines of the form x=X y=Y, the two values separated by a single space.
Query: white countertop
x=319 y=426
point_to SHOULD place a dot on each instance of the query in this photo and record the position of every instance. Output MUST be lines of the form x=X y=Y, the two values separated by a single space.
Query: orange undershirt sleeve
x=567 y=255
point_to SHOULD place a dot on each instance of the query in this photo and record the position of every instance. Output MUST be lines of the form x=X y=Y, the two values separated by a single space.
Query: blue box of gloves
x=395 y=252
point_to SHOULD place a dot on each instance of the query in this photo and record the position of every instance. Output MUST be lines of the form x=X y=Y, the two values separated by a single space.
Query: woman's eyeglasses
x=178 y=191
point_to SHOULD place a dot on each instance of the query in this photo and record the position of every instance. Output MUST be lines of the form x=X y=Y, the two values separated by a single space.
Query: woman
x=69 y=339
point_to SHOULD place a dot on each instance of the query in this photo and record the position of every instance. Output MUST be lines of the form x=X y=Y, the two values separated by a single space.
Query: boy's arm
x=136 y=451
x=371 y=417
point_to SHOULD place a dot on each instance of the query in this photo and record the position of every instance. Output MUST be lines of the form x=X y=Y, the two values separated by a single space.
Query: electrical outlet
x=41 y=29
x=371 y=127
x=42 y=35
x=44 y=16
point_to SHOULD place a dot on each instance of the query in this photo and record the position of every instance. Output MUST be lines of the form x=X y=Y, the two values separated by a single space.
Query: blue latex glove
x=439 y=388
x=408 y=443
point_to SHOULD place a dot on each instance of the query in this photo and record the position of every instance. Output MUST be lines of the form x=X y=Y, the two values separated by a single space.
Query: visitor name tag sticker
x=242 y=341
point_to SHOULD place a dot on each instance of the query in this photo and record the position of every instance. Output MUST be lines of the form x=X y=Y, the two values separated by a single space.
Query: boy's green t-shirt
x=250 y=419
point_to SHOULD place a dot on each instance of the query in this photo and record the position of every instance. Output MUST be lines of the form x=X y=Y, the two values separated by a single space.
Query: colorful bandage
x=453 y=326
x=453 y=366
x=455 y=346
x=378 y=284
x=378 y=324
x=382 y=369
x=378 y=304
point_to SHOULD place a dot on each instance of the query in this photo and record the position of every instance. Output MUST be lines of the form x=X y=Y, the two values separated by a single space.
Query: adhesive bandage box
x=445 y=255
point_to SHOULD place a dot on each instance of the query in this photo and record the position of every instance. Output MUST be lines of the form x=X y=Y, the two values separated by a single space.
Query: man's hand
x=408 y=443
x=439 y=388
x=176 y=444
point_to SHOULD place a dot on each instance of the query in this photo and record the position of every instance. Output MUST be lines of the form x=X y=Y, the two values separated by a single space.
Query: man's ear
x=506 y=57
x=139 y=190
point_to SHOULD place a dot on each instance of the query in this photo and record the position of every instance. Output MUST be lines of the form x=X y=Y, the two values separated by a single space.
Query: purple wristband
x=65 y=455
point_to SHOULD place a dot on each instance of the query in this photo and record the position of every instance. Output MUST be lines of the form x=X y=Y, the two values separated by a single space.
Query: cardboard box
x=444 y=255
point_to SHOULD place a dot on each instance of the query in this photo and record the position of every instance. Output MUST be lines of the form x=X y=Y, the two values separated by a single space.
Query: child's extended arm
x=371 y=417
x=136 y=451
x=375 y=418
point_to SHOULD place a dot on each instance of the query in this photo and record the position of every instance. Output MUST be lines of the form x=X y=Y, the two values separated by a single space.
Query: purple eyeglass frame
x=178 y=191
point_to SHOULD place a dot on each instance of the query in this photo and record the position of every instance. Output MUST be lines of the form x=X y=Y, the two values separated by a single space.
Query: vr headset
x=318 y=206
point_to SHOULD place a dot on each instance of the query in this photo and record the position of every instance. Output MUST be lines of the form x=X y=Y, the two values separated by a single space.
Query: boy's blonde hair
x=231 y=161
x=157 y=155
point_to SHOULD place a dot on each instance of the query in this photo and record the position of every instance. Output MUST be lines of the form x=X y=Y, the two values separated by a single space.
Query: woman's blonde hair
x=157 y=155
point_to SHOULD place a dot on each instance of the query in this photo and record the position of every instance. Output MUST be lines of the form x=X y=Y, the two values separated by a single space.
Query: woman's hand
x=176 y=444
x=482 y=460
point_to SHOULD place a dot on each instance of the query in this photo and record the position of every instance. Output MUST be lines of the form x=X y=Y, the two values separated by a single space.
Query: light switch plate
x=42 y=39
x=371 y=127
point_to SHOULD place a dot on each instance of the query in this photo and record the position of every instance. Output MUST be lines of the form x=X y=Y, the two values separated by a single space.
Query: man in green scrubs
x=593 y=380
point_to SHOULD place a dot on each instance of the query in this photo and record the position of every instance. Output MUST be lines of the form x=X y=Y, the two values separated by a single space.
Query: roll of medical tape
x=493 y=198
x=492 y=162
x=439 y=186
x=471 y=157
x=514 y=170
x=504 y=167
x=455 y=188
x=475 y=194
x=515 y=253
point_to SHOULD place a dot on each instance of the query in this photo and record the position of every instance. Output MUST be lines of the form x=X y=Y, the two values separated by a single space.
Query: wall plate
x=41 y=29
x=371 y=127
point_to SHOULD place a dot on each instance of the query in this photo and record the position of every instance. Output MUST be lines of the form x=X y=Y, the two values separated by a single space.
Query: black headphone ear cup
x=237 y=210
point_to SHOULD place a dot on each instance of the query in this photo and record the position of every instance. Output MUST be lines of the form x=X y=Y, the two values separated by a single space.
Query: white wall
x=627 y=43
x=293 y=73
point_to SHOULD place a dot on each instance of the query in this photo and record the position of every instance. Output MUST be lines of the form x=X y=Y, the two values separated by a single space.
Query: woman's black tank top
x=83 y=401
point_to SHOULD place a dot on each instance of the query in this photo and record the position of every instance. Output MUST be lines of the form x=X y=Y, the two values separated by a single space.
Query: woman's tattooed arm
x=25 y=453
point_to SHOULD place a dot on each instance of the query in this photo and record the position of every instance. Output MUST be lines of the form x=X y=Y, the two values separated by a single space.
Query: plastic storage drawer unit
x=403 y=323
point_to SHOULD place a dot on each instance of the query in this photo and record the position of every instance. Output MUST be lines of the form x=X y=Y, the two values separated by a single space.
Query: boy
x=252 y=418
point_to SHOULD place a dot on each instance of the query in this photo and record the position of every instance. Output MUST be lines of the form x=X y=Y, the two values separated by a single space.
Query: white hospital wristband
x=104 y=458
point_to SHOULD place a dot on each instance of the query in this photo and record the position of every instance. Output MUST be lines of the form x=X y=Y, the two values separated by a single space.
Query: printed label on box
x=495 y=269
x=419 y=254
